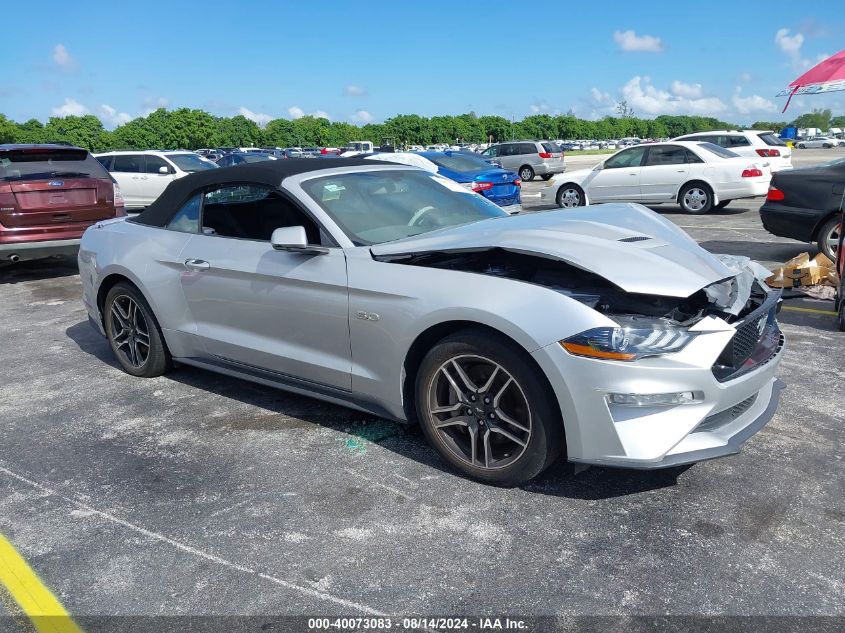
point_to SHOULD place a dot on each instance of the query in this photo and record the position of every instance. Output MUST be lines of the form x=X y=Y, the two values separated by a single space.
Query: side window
x=528 y=148
x=665 y=155
x=252 y=212
x=129 y=163
x=632 y=157
x=721 y=140
x=105 y=161
x=155 y=163
x=737 y=141
x=187 y=219
x=506 y=149
x=491 y=151
x=692 y=157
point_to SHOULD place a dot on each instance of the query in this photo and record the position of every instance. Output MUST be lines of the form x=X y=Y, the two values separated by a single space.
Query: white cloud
x=629 y=42
x=259 y=117
x=295 y=112
x=645 y=98
x=361 y=116
x=539 y=106
x=752 y=103
x=600 y=98
x=151 y=104
x=789 y=44
x=680 y=89
x=62 y=57
x=352 y=90
x=70 y=108
x=111 y=117
x=745 y=78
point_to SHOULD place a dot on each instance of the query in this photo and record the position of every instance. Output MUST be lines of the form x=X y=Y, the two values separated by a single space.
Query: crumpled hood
x=627 y=244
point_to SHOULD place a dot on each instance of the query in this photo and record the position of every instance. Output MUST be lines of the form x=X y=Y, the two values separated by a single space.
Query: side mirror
x=164 y=169
x=294 y=240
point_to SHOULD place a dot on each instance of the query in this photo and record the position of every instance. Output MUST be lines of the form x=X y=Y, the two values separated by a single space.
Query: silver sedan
x=605 y=335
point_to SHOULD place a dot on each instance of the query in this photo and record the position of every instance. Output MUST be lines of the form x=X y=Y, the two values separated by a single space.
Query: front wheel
x=526 y=173
x=570 y=196
x=828 y=240
x=487 y=409
x=696 y=199
x=801 y=146
x=827 y=145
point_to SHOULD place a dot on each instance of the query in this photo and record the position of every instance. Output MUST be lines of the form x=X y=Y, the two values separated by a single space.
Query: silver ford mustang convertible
x=604 y=334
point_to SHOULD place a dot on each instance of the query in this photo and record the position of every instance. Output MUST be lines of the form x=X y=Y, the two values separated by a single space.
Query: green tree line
x=185 y=128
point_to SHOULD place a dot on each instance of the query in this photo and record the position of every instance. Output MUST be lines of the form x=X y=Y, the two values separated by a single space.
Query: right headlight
x=628 y=342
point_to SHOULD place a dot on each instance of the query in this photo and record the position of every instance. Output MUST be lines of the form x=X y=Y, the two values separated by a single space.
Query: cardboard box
x=803 y=271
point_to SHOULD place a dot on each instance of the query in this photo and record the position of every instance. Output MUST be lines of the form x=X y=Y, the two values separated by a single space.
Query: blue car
x=497 y=185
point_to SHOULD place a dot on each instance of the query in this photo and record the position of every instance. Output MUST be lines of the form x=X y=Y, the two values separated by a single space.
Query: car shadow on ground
x=674 y=209
x=765 y=251
x=405 y=440
x=38 y=269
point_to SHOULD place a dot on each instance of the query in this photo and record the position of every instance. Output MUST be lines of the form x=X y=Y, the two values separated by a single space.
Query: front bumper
x=23 y=251
x=724 y=415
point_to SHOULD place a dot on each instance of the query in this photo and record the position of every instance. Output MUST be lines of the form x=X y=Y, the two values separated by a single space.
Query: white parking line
x=321 y=595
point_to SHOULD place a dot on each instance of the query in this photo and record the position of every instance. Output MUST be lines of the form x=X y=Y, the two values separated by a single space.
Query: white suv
x=750 y=143
x=144 y=174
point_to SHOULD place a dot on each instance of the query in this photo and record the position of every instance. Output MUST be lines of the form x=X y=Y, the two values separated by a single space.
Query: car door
x=262 y=309
x=507 y=157
x=154 y=181
x=664 y=170
x=127 y=170
x=618 y=178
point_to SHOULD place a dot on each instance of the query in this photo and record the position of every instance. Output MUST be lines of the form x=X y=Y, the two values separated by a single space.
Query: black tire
x=526 y=173
x=722 y=204
x=841 y=317
x=801 y=146
x=826 y=145
x=827 y=235
x=547 y=176
x=140 y=330
x=539 y=411
x=696 y=190
x=570 y=196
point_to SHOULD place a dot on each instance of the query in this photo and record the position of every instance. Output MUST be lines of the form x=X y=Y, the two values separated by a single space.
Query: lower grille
x=725 y=417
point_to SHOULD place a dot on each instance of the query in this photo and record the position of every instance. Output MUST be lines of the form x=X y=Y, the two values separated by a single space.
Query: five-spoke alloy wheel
x=487 y=409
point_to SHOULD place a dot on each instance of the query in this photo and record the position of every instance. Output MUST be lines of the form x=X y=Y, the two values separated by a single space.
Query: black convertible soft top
x=266 y=172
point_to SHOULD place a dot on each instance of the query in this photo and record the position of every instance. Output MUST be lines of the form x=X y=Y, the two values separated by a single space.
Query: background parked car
x=143 y=175
x=698 y=176
x=239 y=158
x=750 y=143
x=49 y=195
x=816 y=142
x=529 y=158
x=496 y=184
x=804 y=204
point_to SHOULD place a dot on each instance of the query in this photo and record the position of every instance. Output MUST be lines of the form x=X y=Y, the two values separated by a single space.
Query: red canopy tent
x=826 y=76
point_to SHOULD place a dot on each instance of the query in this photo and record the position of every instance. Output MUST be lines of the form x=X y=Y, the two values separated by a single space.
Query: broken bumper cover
x=716 y=423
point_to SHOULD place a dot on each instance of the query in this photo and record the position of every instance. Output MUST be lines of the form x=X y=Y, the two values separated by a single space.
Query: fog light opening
x=654 y=399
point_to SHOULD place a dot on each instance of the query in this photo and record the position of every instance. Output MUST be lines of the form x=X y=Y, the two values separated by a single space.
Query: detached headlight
x=628 y=342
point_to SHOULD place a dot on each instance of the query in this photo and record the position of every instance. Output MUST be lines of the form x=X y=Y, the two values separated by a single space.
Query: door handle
x=197 y=265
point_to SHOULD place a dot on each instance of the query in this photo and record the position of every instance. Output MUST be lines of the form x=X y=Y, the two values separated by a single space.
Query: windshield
x=190 y=162
x=461 y=163
x=41 y=164
x=718 y=150
x=836 y=162
x=382 y=206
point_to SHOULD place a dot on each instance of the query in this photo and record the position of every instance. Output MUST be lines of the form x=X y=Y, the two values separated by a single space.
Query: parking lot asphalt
x=200 y=494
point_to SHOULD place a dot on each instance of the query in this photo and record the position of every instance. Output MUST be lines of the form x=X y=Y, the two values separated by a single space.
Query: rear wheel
x=801 y=146
x=526 y=173
x=546 y=176
x=487 y=410
x=134 y=333
x=827 y=145
x=570 y=196
x=828 y=237
x=696 y=198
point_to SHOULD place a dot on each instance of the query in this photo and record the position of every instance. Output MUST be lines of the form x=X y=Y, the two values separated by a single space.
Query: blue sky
x=362 y=61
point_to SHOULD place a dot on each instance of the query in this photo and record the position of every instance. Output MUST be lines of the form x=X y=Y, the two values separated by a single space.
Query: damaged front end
x=648 y=324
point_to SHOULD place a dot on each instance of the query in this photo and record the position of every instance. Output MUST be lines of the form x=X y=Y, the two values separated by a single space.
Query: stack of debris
x=816 y=277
